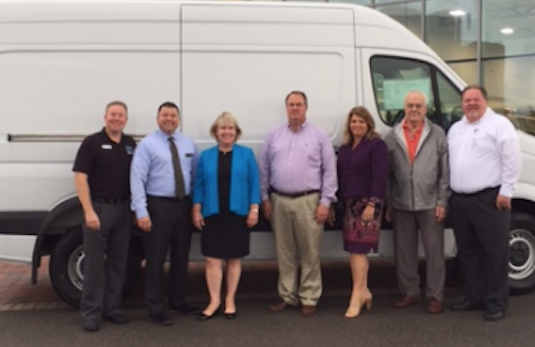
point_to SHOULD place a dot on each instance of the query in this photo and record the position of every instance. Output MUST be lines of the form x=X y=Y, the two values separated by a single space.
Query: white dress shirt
x=484 y=154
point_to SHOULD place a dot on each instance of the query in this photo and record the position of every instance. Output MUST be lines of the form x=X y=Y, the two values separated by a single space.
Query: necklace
x=225 y=151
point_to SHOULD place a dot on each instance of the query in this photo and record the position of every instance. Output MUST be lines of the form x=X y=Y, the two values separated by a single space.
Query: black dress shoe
x=204 y=317
x=160 y=318
x=117 y=318
x=185 y=308
x=230 y=315
x=467 y=305
x=492 y=316
x=91 y=325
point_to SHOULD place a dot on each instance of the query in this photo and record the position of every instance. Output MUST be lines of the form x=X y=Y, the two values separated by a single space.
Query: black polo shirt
x=107 y=165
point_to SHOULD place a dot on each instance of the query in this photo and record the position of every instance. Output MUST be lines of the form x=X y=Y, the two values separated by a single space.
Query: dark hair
x=477 y=87
x=116 y=103
x=168 y=104
x=297 y=92
x=362 y=112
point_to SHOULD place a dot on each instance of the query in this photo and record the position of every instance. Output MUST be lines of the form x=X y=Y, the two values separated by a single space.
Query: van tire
x=66 y=264
x=522 y=253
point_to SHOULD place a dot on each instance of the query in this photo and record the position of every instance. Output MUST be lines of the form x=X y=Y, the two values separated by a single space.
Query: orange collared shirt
x=412 y=139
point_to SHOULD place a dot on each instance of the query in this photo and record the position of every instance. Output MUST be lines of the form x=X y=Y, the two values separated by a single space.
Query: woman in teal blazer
x=226 y=194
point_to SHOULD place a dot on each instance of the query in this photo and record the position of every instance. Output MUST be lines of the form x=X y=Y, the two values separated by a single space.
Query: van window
x=450 y=101
x=394 y=77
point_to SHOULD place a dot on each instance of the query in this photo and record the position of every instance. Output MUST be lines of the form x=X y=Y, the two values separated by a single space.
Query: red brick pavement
x=16 y=288
x=259 y=280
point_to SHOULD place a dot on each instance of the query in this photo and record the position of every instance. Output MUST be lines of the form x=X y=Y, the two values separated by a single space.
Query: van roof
x=387 y=33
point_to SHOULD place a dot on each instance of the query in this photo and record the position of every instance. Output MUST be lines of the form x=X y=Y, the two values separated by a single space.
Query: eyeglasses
x=416 y=106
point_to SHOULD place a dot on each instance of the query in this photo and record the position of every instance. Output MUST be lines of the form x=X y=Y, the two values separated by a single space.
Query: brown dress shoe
x=434 y=306
x=308 y=311
x=406 y=301
x=279 y=306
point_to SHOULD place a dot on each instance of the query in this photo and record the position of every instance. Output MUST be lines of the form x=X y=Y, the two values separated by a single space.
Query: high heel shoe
x=229 y=315
x=356 y=305
x=367 y=302
x=204 y=317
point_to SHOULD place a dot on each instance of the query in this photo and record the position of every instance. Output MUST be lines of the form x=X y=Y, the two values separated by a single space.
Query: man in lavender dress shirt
x=298 y=184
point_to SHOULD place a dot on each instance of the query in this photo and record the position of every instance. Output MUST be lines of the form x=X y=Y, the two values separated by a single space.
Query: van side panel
x=245 y=60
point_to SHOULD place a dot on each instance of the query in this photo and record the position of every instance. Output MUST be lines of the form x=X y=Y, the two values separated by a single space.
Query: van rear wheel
x=66 y=267
x=522 y=253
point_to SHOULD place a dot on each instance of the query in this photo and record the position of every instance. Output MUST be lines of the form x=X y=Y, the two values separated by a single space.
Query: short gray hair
x=426 y=99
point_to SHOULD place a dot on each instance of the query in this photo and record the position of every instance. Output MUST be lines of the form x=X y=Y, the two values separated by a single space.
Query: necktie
x=179 y=178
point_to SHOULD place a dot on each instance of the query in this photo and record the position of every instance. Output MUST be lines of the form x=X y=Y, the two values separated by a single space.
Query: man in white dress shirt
x=485 y=164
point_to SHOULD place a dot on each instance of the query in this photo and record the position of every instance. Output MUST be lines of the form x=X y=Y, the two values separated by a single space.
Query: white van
x=61 y=62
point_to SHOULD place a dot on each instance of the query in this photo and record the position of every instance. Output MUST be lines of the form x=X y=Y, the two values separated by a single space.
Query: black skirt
x=225 y=235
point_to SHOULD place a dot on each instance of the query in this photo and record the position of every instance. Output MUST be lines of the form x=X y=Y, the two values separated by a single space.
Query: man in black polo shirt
x=101 y=174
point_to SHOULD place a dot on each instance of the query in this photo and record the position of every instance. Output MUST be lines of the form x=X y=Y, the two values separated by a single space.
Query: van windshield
x=394 y=77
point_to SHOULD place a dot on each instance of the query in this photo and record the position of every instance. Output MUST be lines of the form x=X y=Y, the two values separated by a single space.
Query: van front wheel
x=522 y=253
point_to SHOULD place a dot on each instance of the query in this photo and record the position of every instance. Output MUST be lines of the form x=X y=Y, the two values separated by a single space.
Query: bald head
x=415 y=108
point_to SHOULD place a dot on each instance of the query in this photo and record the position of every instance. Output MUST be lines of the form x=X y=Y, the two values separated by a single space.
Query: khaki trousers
x=407 y=225
x=297 y=237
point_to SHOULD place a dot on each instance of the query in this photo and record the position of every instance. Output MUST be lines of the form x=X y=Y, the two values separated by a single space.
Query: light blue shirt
x=152 y=172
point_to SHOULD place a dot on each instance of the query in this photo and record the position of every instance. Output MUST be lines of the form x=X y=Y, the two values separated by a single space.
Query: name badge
x=106 y=146
x=129 y=150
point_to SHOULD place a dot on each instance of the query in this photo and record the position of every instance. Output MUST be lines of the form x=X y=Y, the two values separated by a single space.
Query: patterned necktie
x=179 y=178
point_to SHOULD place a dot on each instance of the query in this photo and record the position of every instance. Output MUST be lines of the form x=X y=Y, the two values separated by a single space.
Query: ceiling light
x=507 y=31
x=457 y=13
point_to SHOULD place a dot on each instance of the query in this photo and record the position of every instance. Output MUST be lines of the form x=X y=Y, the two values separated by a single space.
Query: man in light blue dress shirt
x=162 y=207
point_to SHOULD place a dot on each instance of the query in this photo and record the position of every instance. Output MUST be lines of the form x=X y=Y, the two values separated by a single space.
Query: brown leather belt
x=297 y=194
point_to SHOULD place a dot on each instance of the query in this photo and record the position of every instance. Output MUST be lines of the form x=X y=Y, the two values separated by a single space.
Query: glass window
x=467 y=70
x=510 y=82
x=450 y=102
x=508 y=59
x=408 y=14
x=452 y=28
x=359 y=2
x=391 y=1
x=394 y=77
x=508 y=28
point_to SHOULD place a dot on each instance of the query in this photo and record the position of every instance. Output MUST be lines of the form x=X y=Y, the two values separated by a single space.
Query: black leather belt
x=484 y=191
x=169 y=198
x=111 y=201
x=295 y=195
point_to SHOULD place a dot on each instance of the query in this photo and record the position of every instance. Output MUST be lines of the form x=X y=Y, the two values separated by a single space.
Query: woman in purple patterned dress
x=362 y=174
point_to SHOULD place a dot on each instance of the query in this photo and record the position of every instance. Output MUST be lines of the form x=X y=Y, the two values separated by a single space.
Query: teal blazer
x=244 y=181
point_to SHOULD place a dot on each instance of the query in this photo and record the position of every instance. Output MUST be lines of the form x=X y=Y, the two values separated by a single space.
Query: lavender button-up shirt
x=292 y=162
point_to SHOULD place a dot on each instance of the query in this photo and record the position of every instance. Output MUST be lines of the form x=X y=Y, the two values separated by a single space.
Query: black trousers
x=171 y=233
x=106 y=255
x=482 y=235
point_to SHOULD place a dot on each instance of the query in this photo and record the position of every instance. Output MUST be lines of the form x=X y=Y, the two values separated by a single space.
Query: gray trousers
x=106 y=254
x=407 y=226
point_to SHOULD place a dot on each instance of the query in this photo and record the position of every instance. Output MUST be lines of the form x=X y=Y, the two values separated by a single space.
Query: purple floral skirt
x=361 y=237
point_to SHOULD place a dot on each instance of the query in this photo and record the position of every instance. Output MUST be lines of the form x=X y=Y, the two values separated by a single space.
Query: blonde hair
x=363 y=113
x=225 y=118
